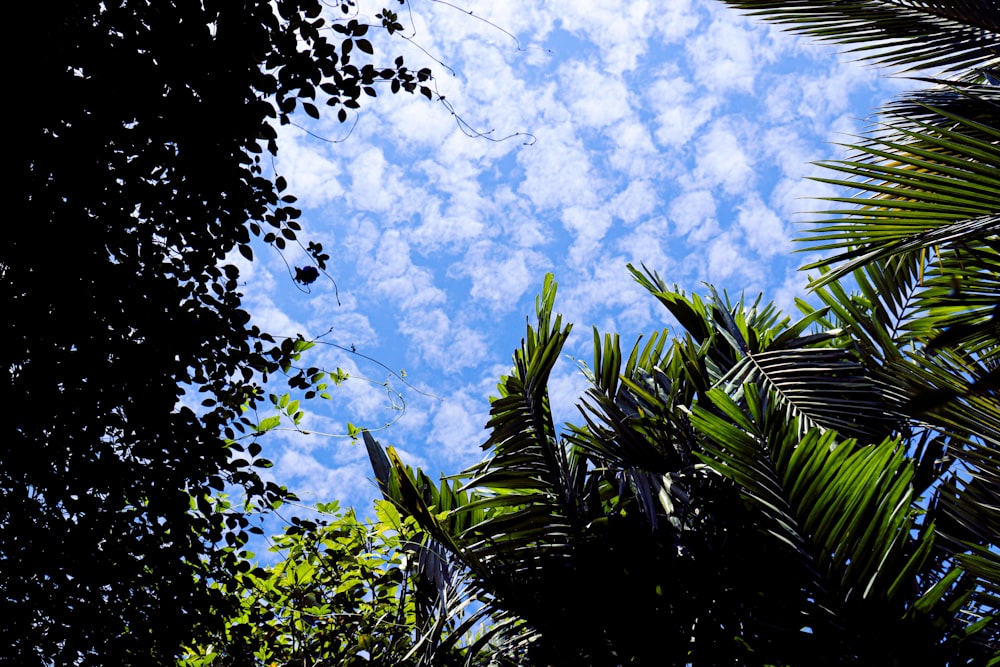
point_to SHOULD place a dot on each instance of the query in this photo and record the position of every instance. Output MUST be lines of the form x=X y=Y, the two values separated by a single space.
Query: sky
x=563 y=137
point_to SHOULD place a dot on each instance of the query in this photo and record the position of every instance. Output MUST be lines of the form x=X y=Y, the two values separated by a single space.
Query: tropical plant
x=750 y=494
x=762 y=491
x=920 y=235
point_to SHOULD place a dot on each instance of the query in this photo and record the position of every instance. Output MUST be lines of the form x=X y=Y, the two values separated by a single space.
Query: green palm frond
x=846 y=509
x=822 y=387
x=929 y=213
x=515 y=520
x=918 y=34
x=529 y=479
x=632 y=432
x=925 y=185
x=819 y=382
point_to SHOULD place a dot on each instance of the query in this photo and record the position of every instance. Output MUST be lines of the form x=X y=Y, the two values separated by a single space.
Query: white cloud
x=694 y=214
x=635 y=153
x=500 y=275
x=762 y=228
x=723 y=159
x=588 y=227
x=395 y=277
x=680 y=110
x=637 y=200
x=595 y=99
x=445 y=344
x=728 y=260
x=374 y=183
x=723 y=55
x=620 y=28
x=458 y=428
x=558 y=172
x=311 y=176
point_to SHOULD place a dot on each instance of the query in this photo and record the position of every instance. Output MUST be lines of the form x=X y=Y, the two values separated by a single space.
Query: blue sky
x=672 y=134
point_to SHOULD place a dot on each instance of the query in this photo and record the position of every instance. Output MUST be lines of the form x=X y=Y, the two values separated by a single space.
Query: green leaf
x=268 y=424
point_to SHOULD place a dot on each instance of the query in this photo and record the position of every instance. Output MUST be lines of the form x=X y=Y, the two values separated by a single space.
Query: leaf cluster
x=717 y=498
x=343 y=592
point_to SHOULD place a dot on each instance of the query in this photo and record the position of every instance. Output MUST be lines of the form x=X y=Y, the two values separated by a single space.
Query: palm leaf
x=631 y=429
x=933 y=186
x=848 y=511
x=919 y=34
x=819 y=384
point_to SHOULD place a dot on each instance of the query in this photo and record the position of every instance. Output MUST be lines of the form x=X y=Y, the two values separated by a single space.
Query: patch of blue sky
x=675 y=136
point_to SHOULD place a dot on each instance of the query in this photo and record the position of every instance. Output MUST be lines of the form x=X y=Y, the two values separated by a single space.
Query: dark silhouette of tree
x=140 y=160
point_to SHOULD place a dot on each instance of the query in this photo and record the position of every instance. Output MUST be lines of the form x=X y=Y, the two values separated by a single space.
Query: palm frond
x=929 y=213
x=932 y=186
x=847 y=510
x=925 y=34
x=821 y=385
x=631 y=428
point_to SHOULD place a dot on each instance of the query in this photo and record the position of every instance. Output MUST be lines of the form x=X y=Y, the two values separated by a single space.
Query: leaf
x=267 y=424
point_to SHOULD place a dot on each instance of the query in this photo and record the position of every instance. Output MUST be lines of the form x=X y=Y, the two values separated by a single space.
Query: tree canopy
x=344 y=592
x=748 y=489
x=140 y=167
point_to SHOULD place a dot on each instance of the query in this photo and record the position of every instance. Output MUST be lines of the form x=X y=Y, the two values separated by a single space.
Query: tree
x=924 y=217
x=139 y=166
x=749 y=494
x=762 y=491
x=345 y=592
x=921 y=233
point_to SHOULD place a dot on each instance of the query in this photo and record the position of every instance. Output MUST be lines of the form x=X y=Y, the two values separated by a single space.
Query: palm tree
x=920 y=234
x=715 y=504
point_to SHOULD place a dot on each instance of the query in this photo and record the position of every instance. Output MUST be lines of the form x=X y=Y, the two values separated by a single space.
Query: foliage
x=698 y=519
x=140 y=166
x=344 y=592
x=922 y=214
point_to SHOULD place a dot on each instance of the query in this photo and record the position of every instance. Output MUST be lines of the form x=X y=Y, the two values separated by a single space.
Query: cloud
x=694 y=215
x=619 y=28
x=500 y=274
x=679 y=110
x=395 y=277
x=722 y=56
x=559 y=173
x=445 y=344
x=723 y=158
x=637 y=200
x=458 y=428
x=594 y=98
x=762 y=228
x=588 y=227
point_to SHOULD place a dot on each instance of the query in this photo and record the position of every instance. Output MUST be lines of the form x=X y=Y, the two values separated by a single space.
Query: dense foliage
x=748 y=493
x=140 y=164
x=344 y=592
